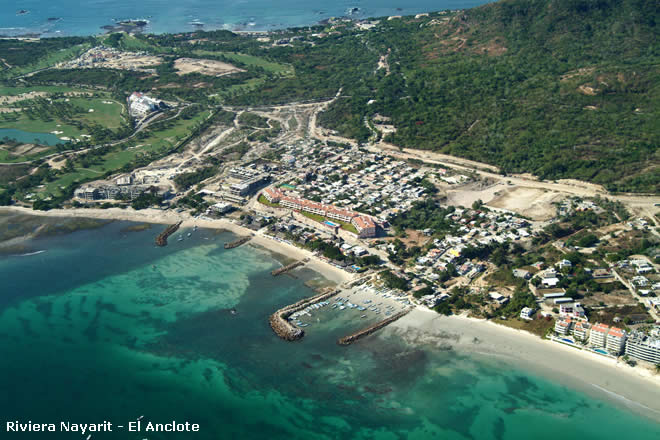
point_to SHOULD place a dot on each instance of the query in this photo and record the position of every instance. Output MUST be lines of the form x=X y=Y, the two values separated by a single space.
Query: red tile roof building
x=364 y=224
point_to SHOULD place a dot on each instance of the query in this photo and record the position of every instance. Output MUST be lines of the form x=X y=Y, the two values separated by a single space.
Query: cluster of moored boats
x=180 y=237
x=341 y=303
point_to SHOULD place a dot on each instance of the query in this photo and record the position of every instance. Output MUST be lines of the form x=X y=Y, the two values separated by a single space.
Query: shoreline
x=156 y=216
x=607 y=379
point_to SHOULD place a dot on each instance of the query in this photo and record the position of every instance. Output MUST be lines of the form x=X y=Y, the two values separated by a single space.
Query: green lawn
x=38 y=126
x=107 y=115
x=159 y=141
x=131 y=43
x=319 y=218
x=265 y=201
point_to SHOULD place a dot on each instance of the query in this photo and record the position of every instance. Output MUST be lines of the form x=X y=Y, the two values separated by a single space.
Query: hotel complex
x=365 y=225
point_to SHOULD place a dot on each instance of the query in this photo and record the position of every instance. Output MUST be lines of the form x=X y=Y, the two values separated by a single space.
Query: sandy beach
x=636 y=388
x=157 y=216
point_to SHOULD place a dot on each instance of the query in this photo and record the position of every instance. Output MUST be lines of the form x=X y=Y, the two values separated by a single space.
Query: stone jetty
x=288 y=267
x=237 y=243
x=285 y=329
x=161 y=240
x=347 y=340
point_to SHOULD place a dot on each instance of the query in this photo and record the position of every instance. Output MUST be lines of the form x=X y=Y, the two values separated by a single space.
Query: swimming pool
x=598 y=350
x=329 y=223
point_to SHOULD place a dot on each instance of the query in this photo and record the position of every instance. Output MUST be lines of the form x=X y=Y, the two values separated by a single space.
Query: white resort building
x=563 y=326
x=616 y=341
x=644 y=347
x=581 y=331
x=598 y=335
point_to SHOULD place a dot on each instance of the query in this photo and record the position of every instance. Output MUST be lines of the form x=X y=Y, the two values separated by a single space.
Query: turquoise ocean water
x=105 y=326
x=73 y=17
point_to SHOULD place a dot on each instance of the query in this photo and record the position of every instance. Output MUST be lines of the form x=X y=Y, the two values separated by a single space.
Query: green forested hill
x=560 y=88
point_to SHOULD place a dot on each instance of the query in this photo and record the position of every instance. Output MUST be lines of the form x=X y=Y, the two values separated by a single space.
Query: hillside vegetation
x=559 y=88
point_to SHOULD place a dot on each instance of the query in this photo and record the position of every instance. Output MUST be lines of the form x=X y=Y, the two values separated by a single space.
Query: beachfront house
x=527 y=313
x=571 y=309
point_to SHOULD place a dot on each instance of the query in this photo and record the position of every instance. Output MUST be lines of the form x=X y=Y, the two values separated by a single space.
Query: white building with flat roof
x=572 y=309
x=643 y=347
x=527 y=313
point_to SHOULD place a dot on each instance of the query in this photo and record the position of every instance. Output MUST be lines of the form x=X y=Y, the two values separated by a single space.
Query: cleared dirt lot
x=534 y=203
x=184 y=66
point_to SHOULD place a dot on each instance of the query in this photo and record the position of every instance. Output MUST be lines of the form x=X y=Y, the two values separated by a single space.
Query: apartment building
x=598 y=335
x=563 y=326
x=616 y=341
x=581 y=331
x=364 y=224
x=644 y=347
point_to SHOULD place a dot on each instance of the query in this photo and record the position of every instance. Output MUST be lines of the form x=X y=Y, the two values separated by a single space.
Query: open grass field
x=130 y=43
x=107 y=112
x=15 y=91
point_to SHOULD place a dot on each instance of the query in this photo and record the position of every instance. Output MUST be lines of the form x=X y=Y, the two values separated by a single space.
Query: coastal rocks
x=161 y=240
x=283 y=328
x=347 y=340
x=237 y=243
x=288 y=267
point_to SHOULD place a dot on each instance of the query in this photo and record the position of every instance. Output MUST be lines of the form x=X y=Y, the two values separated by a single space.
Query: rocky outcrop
x=288 y=267
x=238 y=242
x=347 y=340
x=280 y=324
x=161 y=240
